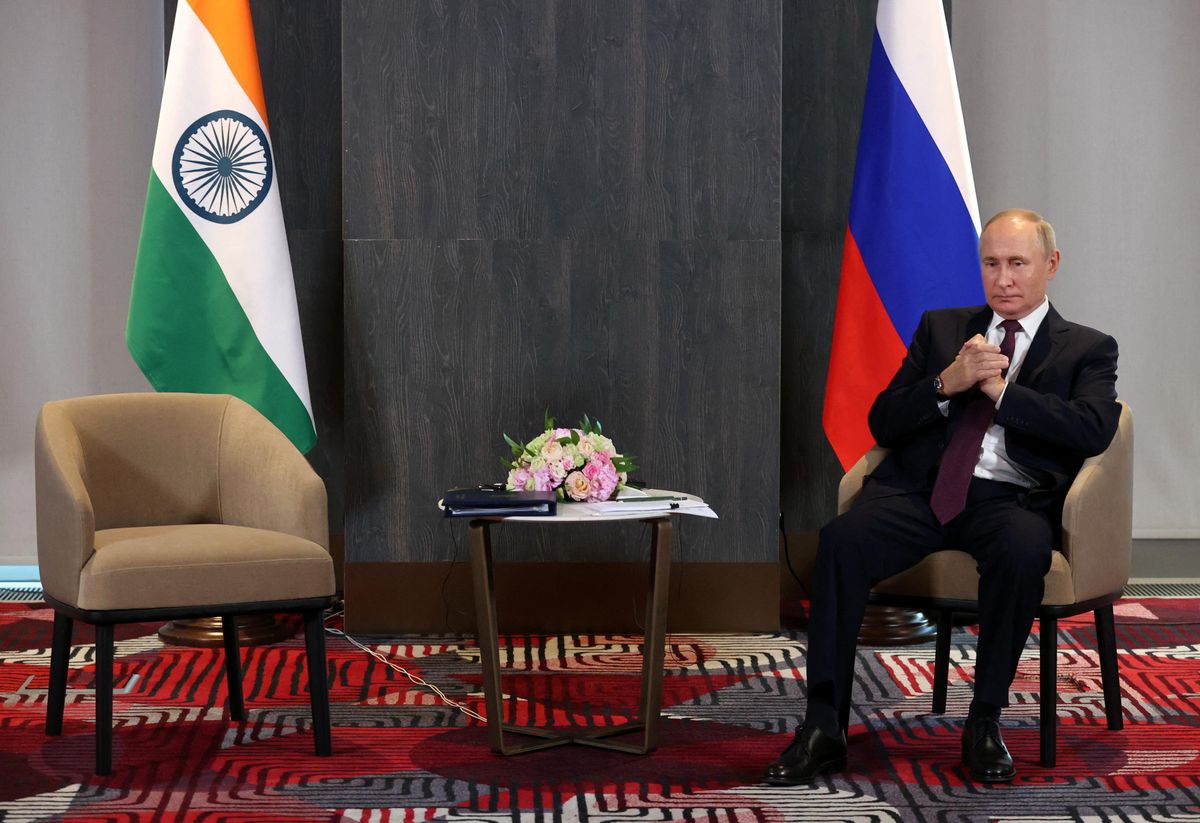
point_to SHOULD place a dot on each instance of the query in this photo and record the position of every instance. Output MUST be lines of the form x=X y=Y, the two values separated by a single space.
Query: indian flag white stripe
x=213 y=303
x=253 y=251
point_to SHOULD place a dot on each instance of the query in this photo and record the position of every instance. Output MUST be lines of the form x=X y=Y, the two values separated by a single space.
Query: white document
x=636 y=500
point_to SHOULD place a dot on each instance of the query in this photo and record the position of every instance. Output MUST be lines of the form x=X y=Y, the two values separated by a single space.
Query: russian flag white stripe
x=922 y=60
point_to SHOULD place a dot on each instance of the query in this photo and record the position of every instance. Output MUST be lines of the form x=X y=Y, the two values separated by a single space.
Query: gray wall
x=567 y=206
x=1089 y=111
x=80 y=85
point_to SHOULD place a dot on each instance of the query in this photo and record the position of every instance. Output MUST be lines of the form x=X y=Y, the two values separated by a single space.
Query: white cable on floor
x=395 y=667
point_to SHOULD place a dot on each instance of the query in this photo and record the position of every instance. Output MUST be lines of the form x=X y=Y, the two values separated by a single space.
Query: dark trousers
x=888 y=531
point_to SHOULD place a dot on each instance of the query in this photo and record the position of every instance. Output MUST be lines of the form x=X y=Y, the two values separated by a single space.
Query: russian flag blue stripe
x=913 y=229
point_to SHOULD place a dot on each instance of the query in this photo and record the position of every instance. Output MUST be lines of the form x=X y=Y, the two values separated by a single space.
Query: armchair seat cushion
x=951 y=575
x=149 y=567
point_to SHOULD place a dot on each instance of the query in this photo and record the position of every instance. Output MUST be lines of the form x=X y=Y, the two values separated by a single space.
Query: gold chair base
x=894 y=626
x=205 y=632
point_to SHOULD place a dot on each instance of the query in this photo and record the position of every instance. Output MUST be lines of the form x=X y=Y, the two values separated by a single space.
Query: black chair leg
x=846 y=697
x=318 y=688
x=233 y=667
x=104 y=697
x=1110 y=674
x=60 y=656
x=941 y=660
x=1049 y=688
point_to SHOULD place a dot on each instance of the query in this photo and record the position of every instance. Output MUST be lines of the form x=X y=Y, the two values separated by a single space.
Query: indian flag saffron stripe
x=213 y=304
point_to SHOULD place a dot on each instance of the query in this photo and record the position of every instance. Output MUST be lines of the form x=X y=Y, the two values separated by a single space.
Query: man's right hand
x=977 y=361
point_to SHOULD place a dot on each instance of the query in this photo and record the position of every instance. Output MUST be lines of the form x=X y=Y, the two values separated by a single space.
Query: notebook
x=485 y=502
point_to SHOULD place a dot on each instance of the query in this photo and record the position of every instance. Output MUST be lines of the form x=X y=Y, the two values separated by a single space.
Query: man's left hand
x=992 y=387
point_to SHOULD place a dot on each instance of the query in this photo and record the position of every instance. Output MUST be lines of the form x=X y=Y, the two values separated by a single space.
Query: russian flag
x=912 y=242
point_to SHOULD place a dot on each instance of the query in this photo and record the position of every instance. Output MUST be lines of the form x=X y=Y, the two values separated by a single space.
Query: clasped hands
x=978 y=363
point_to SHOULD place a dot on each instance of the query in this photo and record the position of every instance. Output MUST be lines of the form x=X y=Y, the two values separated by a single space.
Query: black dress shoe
x=984 y=753
x=813 y=752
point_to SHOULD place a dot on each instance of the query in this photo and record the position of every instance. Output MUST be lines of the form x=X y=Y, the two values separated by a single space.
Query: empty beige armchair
x=154 y=507
x=1087 y=573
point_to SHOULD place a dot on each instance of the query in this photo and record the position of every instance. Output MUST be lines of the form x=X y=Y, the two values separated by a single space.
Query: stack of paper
x=635 y=500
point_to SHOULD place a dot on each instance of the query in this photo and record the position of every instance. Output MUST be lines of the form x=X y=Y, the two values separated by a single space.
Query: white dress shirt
x=993 y=457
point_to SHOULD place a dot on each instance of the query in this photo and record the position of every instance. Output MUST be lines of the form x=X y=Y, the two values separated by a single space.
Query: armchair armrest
x=1098 y=517
x=265 y=482
x=852 y=481
x=66 y=521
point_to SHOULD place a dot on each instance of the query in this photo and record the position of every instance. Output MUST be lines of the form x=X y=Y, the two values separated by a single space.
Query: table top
x=614 y=511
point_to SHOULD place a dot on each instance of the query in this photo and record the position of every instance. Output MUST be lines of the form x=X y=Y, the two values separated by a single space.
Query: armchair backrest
x=145 y=459
x=1098 y=517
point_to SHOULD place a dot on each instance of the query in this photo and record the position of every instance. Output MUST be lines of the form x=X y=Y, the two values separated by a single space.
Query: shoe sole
x=989 y=778
x=829 y=767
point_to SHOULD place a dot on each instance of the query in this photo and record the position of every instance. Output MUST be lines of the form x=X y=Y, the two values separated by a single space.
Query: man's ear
x=1053 y=264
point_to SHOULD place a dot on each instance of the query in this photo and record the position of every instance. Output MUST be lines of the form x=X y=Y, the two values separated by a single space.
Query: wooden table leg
x=488 y=638
x=654 y=645
x=653 y=651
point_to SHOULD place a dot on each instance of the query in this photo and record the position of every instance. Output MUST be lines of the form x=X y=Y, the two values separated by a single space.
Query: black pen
x=647 y=499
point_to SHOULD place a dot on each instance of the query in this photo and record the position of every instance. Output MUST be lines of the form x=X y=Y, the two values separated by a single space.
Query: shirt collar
x=1030 y=323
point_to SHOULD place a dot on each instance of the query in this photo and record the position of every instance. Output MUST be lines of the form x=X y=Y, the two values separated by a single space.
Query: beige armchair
x=1087 y=573
x=154 y=507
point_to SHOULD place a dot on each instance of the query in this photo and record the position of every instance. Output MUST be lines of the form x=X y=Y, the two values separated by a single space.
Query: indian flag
x=213 y=304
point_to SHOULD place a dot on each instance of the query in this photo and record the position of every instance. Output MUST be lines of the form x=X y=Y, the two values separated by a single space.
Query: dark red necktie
x=962 y=453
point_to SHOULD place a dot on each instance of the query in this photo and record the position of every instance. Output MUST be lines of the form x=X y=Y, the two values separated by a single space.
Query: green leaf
x=575 y=437
x=516 y=447
x=547 y=420
x=599 y=428
x=564 y=440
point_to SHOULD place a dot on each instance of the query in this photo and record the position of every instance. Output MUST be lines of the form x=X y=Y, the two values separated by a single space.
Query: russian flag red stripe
x=913 y=230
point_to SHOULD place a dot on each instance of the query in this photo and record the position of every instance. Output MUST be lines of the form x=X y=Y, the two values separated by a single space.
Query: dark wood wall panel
x=565 y=206
x=826 y=54
x=671 y=344
x=299 y=52
x=562 y=119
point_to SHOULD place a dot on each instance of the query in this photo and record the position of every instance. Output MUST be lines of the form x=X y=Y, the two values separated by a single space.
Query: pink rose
x=577 y=486
x=602 y=478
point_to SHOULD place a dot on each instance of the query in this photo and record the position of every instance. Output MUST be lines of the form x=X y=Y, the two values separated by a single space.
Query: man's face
x=1015 y=268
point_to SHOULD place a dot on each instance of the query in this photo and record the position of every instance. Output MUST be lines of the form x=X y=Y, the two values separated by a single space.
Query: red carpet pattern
x=730 y=705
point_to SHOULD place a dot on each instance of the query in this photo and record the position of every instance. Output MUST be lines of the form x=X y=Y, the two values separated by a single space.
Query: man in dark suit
x=988 y=420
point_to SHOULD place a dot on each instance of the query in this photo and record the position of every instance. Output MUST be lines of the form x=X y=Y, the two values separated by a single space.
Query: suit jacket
x=1061 y=409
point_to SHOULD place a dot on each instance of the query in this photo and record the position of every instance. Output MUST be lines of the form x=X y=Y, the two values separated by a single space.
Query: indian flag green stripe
x=188 y=332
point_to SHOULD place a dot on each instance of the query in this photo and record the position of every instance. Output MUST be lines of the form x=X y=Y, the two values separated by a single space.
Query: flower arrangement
x=579 y=464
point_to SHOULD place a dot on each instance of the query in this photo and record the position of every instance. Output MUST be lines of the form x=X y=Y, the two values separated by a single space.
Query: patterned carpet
x=730 y=704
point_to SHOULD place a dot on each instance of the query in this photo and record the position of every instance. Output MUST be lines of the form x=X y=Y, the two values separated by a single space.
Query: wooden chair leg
x=233 y=667
x=941 y=660
x=1049 y=689
x=318 y=687
x=1110 y=674
x=60 y=656
x=104 y=697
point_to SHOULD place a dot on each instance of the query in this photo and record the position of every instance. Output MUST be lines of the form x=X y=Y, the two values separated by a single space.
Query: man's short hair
x=1044 y=230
